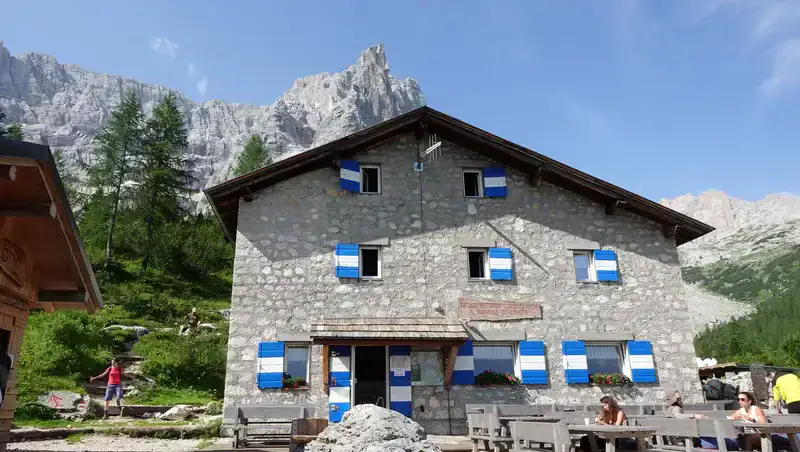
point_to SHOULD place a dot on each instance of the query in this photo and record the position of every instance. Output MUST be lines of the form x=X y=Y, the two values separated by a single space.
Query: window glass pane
x=472 y=184
x=498 y=358
x=297 y=362
x=476 y=264
x=369 y=180
x=582 y=267
x=369 y=262
x=604 y=358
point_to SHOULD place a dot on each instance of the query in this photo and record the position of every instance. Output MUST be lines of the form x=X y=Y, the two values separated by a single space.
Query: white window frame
x=623 y=351
x=592 y=270
x=477 y=171
x=361 y=179
x=361 y=249
x=514 y=353
x=306 y=345
x=485 y=252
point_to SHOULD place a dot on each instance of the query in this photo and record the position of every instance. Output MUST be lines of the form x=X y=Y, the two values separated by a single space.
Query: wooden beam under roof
x=35 y=210
x=8 y=172
x=451 y=365
x=62 y=296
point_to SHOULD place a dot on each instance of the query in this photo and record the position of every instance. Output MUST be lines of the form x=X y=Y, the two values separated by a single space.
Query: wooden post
x=326 y=367
x=451 y=364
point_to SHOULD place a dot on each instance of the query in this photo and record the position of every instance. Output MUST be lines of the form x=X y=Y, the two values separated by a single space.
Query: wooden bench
x=518 y=410
x=304 y=431
x=525 y=434
x=486 y=428
x=263 y=424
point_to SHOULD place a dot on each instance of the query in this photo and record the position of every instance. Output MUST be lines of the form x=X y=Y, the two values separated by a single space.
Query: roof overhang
x=224 y=198
x=387 y=331
x=34 y=203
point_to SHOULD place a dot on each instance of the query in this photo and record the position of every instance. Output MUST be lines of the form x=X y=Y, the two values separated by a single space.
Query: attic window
x=473 y=183
x=370 y=179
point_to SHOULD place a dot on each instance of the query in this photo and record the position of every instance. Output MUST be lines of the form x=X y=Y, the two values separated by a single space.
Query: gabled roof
x=225 y=197
x=34 y=197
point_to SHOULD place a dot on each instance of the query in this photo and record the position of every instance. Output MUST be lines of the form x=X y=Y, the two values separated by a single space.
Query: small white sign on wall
x=399 y=365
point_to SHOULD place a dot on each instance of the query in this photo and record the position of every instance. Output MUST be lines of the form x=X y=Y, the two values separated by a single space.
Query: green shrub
x=59 y=351
x=197 y=362
x=121 y=339
x=32 y=411
x=173 y=396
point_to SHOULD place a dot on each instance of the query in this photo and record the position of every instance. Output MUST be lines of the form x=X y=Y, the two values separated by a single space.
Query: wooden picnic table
x=611 y=432
x=767 y=430
x=504 y=420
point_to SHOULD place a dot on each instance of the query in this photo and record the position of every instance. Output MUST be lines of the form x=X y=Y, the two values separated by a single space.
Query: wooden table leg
x=611 y=444
x=641 y=444
x=794 y=442
x=593 y=442
x=766 y=442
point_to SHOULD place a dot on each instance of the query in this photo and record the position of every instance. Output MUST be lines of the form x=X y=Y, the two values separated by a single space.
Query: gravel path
x=102 y=443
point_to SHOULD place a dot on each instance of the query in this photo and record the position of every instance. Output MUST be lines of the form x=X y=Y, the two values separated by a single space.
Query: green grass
x=170 y=396
x=74 y=439
x=205 y=443
x=112 y=422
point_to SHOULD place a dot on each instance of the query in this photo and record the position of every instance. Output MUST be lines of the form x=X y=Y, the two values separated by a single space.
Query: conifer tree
x=114 y=160
x=165 y=177
x=253 y=157
x=14 y=132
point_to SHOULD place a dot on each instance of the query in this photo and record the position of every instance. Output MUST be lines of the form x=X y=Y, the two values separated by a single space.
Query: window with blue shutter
x=340 y=377
x=350 y=175
x=605 y=263
x=494 y=182
x=346 y=257
x=464 y=370
x=532 y=363
x=270 y=365
x=576 y=369
x=400 y=379
x=643 y=369
x=500 y=264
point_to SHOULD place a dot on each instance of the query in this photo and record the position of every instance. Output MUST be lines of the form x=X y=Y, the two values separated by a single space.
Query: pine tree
x=252 y=158
x=69 y=180
x=166 y=171
x=114 y=159
x=2 y=129
x=14 y=132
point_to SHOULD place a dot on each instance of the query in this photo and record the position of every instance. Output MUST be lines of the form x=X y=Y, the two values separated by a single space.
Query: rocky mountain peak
x=65 y=106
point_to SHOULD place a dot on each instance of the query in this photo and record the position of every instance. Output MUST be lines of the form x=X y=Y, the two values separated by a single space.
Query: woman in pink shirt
x=114 y=374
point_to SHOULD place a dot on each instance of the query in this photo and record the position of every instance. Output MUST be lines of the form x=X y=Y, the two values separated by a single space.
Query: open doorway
x=370 y=370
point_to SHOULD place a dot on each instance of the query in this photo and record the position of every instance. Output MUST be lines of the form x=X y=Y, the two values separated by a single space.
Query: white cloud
x=191 y=69
x=202 y=86
x=775 y=17
x=785 y=76
x=164 y=47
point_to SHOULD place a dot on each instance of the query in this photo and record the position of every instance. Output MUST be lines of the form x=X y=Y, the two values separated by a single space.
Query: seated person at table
x=675 y=409
x=611 y=414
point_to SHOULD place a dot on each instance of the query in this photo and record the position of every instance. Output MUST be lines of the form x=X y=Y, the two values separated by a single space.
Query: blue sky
x=659 y=97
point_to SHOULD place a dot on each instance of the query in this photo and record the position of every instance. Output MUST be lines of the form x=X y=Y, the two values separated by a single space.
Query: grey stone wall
x=284 y=279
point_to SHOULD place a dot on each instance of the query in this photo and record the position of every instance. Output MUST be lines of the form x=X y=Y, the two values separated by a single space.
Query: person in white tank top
x=749 y=412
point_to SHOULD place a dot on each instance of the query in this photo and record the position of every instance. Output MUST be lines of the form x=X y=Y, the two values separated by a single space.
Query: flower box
x=492 y=378
x=612 y=379
x=290 y=382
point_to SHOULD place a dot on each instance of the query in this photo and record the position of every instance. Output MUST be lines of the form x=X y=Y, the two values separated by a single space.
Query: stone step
x=137 y=410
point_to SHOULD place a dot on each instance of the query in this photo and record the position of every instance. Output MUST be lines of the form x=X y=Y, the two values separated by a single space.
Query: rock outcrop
x=64 y=106
x=370 y=428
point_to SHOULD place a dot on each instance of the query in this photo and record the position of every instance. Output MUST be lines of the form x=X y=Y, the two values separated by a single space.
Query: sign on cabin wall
x=14 y=260
x=471 y=309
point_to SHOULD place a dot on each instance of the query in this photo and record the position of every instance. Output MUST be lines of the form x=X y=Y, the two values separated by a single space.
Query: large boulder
x=176 y=413
x=61 y=400
x=370 y=428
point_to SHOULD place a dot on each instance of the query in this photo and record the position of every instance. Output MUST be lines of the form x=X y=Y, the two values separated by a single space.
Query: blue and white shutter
x=576 y=368
x=532 y=363
x=270 y=365
x=339 y=384
x=605 y=262
x=494 y=182
x=643 y=369
x=350 y=175
x=464 y=370
x=500 y=264
x=400 y=379
x=346 y=256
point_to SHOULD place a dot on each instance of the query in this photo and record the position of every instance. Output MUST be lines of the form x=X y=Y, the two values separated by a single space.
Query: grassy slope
x=770 y=334
x=62 y=350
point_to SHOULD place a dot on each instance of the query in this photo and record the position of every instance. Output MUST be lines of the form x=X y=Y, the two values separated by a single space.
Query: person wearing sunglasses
x=749 y=412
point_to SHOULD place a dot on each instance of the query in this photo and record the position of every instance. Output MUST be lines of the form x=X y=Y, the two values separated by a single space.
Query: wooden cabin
x=43 y=264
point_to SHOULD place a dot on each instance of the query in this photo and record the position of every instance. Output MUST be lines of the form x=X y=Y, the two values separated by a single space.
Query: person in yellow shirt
x=786 y=387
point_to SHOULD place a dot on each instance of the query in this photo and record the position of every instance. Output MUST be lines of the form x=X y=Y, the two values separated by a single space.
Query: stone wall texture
x=284 y=276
